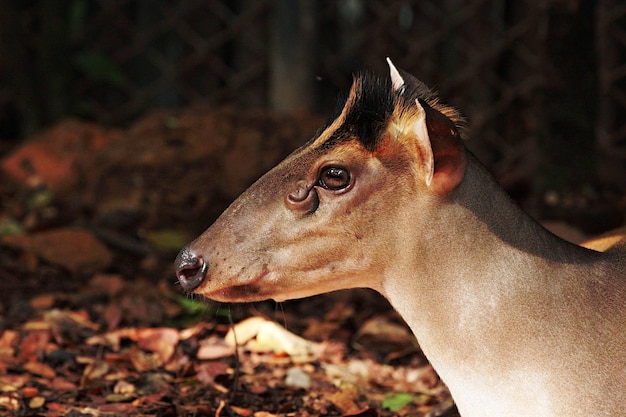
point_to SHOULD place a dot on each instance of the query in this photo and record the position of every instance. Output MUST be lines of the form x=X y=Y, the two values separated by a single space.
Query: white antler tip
x=396 y=79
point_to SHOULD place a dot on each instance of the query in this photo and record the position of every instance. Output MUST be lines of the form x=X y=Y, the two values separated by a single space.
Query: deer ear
x=440 y=149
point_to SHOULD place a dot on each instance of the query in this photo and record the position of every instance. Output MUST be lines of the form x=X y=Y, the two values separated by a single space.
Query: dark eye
x=334 y=178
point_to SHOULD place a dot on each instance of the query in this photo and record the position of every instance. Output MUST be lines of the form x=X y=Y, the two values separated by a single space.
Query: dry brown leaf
x=214 y=347
x=10 y=401
x=142 y=361
x=33 y=345
x=245 y=412
x=39 y=369
x=29 y=392
x=345 y=400
x=113 y=338
x=270 y=337
x=118 y=408
x=383 y=330
x=206 y=372
x=161 y=341
x=242 y=332
x=8 y=342
x=113 y=316
x=62 y=384
x=264 y=414
x=36 y=402
x=194 y=330
x=123 y=387
x=43 y=301
x=74 y=325
x=94 y=370
x=10 y=383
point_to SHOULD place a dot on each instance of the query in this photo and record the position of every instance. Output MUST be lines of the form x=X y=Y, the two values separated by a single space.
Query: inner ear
x=447 y=149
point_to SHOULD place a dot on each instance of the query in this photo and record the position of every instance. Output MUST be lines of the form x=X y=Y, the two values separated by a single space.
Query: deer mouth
x=250 y=291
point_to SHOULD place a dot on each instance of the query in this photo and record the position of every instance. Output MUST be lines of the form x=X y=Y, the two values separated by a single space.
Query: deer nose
x=191 y=270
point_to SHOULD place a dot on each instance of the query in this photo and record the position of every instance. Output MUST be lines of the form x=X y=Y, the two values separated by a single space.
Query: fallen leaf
x=178 y=364
x=59 y=408
x=382 y=330
x=113 y=316
x=242 y=332
x=10 y=402
x=118 y=408
x=40 y=369
x=142 y=361
x=8 y=343
x=10 y=383
x=112 y=338
x=70 y=325
x=345 y=400
x=161 y=341
x=270 y=337
x=214 y=347
x=36 y=324
x=194 y=330
x=29 y=392
x=245 y=412
x=37 y=402
x=43 y=301
x=123 y=387
x=264 y=414
x=389 y=340
x=33 y=345
x=118 y=398
x=366 y=412
x=206 y=372
x=62 y=384
x=396 y=401
x=93 y=371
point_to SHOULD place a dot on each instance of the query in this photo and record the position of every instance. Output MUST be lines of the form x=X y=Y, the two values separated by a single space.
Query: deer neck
x=483 y=276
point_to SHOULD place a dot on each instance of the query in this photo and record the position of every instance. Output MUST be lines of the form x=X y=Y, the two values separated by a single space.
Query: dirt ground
x=93 y=322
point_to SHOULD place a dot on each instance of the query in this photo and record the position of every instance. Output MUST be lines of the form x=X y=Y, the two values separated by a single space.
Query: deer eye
x=334 y=178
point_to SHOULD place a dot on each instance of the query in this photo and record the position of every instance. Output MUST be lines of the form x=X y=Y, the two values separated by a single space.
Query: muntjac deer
x=516 y=321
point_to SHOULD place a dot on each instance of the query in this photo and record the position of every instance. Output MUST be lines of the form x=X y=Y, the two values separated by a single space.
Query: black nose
x=191 y=270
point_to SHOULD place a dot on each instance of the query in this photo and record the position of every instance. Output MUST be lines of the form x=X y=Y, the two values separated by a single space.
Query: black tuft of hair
x=371 y=104
x=370 y=109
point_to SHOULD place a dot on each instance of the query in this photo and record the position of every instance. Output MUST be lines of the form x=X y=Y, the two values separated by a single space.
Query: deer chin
x=237 y=294
x=264 y=286
x=250 y=293
x=244 y=290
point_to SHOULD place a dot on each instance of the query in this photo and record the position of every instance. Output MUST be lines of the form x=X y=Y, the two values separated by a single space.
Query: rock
x=296 y=377
x=51 y=157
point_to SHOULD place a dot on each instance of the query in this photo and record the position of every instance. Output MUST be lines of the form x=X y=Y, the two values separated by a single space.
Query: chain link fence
x=542 y=83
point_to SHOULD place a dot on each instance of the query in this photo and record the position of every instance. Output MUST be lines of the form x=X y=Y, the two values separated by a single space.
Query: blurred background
x=128 y=126
x=542 y=83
